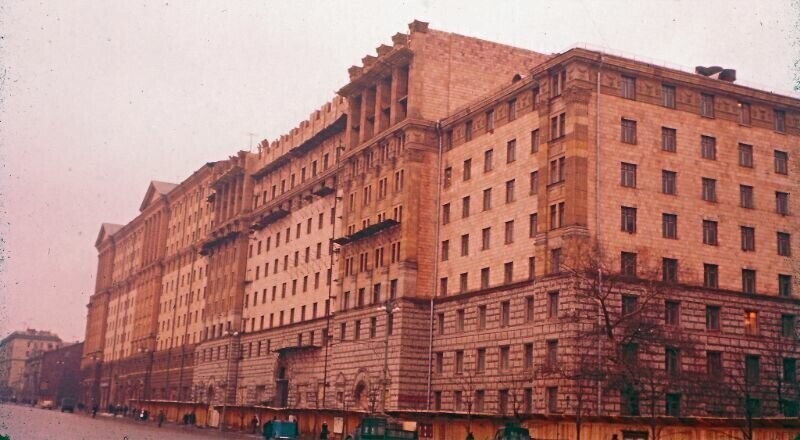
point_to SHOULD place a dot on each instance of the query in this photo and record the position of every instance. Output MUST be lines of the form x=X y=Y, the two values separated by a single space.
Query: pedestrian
x=161 y=418
x=470 y=436
x=323 y=433
x=94 y=410
x=254 y=424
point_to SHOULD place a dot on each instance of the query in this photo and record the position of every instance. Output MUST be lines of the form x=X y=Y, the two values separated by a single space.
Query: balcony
x=367 y=232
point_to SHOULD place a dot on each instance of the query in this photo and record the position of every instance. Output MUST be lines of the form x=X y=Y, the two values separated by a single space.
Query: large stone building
x=17 y=348
x=467 y=228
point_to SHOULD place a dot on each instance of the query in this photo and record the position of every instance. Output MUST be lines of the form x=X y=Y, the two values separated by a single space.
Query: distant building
x=53 y=375
x=17 y=348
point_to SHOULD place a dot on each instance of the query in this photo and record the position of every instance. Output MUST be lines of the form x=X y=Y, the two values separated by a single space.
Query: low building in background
x=54 y=375
x=15 y=350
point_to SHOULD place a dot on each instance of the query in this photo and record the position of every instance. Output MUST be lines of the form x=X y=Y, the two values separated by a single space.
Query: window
x=781 y=162
x=628 y=175
x=779 y=117
x=445 y=213
x=672 y=360
x=440 y=323
x=487 y=199
x=669 y=270
x=628 y=87
x=744 y=113
x=782 y=203
x=502 y=400
x=708 y=147
x=558 y=81
x=711 y=276
x=557 y=126
x=462 y=282
x=459 y=362
x=510 y=191
x=790 y=370
x=784 y=244
x=552 y=399
x=673 y=405
x=628 y=219
x=628 y=264
x=467 y=169
x=748 y=281
x=509 y=232
x=552 y=304
x=504 y=358
x=551 y=354
x=505 y=313
x=481 y=317
x=557 y=170
x=668 y=96
x=529 y=308
x=672 y=313
x=746 y=197
x=669 y=138
x=535 y=141
x=486 y=235
x=628 y=131
x=555 y=260
x=490 y=121
x=465 y=245
x=531 y=268
x=713 y=318
x=480 y=397
x=508 y=272
x=527 y=357
x=630 y=304
x=465 y=207
x=746 y=155
x=484 y=278
x=488 y=157
x=788 y=326
x=533 y=226
x=512 y=109
x=784 y=285
x=669 y=226
x=445 y=250
x=752 y=369
x=468 y=131
x=710 y=232
x=707 y=105
x=750 y=322
x=669 y=182
x=460 y=320
x=443 y=286
x=709 y=189
x=480 y=360
x=511 y=151
x=714 y=365
x=448 y=177
x=748 y=238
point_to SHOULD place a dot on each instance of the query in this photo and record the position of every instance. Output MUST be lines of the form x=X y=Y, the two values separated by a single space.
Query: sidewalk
x=169 y=426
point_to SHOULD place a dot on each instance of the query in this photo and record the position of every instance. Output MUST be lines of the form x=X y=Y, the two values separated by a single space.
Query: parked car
x=381 y=428
x=512 y=431
x=280 y=430
x=47 y=404
x=68 y=404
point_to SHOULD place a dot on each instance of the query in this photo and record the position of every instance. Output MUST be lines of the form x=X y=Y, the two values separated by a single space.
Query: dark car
x=68 y=404
x=512 y=431
x=280 y=430
x=380 y=428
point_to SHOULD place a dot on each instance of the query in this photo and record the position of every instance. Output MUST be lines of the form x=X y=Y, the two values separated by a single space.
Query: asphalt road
x=26 y=423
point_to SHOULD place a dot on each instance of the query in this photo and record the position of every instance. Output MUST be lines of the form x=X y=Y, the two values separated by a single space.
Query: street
x=20 y=422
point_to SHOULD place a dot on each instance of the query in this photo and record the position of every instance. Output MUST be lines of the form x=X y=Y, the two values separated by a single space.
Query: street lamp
x=227 y=377
x=389 y=307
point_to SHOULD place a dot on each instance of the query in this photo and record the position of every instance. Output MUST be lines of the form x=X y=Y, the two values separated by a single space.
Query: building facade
x=54 y=375
x=15 y=350
x=472 y=228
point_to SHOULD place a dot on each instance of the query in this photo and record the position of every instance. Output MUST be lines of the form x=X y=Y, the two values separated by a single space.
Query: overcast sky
x=100 y=97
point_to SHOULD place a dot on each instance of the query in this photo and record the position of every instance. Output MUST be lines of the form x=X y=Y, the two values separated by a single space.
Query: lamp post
x=231 y=335
x=389 y=307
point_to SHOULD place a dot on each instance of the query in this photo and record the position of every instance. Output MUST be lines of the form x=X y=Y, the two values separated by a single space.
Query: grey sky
x=98 y=98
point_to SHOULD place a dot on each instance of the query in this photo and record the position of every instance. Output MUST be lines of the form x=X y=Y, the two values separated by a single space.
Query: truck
x=381 y=428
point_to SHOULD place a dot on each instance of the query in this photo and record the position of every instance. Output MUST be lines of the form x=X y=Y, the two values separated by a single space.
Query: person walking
x=161 y=418
x=323 y=433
